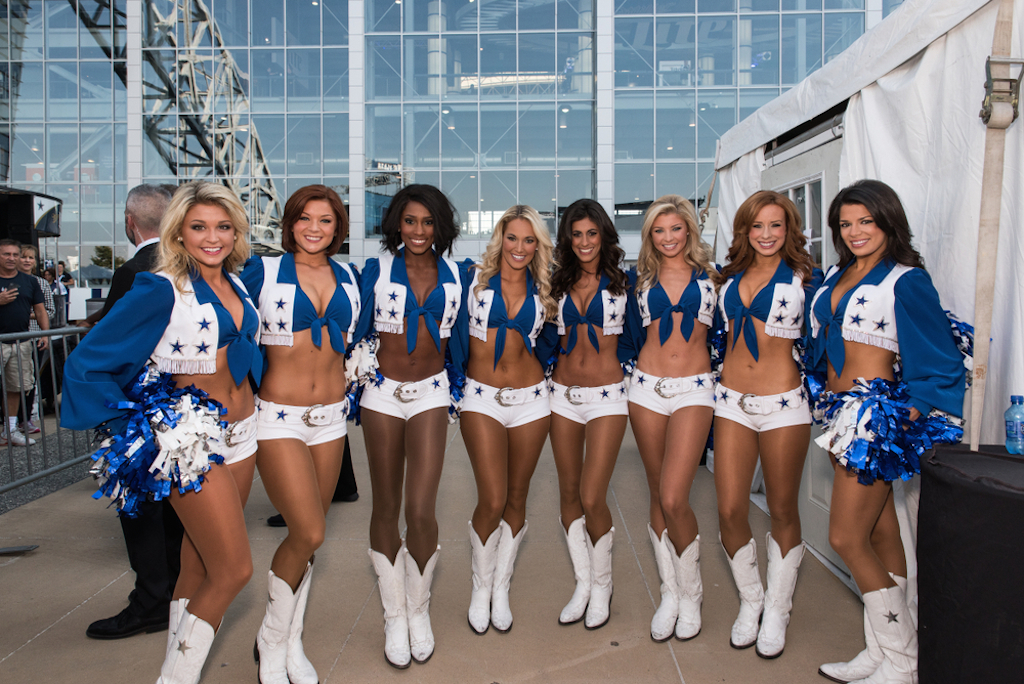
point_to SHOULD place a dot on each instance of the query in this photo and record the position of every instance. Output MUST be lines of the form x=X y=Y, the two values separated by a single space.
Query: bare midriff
x=517 y=367
x=678 y=357
x=303 y=374
x=237 y=399
x=397 y=364
x=585 y=366
x=775 y=371
x=862 y=361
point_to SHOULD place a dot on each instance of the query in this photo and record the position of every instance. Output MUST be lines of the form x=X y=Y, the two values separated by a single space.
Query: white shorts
x=584 y=404
x=311 y=425
x=407 y=399
x=239 y=439
x=668 y=395
x=510 y=407
x=763 y=413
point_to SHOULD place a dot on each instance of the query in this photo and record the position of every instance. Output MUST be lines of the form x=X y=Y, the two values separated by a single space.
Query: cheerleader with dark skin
x=671 y=398
x=406 y=412
x=762 y=409
x=588 y=401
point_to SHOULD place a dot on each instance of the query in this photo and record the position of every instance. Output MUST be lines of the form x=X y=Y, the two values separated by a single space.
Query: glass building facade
x=497 y=102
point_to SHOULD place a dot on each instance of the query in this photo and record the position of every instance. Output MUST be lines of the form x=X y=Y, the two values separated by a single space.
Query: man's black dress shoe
x=125 y=624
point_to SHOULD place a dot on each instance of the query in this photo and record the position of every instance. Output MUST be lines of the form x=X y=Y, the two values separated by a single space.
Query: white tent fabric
x=915 y=126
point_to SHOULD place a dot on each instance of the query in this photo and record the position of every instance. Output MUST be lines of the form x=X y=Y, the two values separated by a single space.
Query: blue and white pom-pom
x=361 y=361
x=868 y=430
x=168 y=441
x=456 y=390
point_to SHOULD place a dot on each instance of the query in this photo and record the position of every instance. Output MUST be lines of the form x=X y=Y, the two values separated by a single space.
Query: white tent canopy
x=914 y=86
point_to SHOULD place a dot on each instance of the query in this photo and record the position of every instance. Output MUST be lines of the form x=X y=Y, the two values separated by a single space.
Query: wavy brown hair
x=296 y=204
x=696 y=252
x=567 y=266
x=540 y=267
x=794 y=251
x=885 y=208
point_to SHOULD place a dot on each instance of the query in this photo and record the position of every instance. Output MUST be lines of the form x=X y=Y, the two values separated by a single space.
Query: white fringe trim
x=445 y=332
x=873 y=340
x=277 y=339
x=707 y=320
x=478 y=334
x=776 y=331
x=613 y=331
x=395 y=328
x=187 y=366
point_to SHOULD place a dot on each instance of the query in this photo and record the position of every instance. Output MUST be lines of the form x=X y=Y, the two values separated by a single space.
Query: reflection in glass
x=635 y=139
x=634 y=52
x=266 y=81
x=497 y=66
x=155 y=30
x=303 y=22
x=157 y=155
x=498 y=135
x=840 y=32
x=267 y=23
x=61 y=30
x=716 y=6
x=759 y=50
x=716 y=55
x=335 y=144
x=676 y=179
x=159 y=74
x=29 y=23
x=844 y=4
x=498 y=190
x=304 y=144
x=716 y=114
x=62 y=91
x=676 y=51
x=383 y=67
x=575 y=14
x=271 y=130
x=634 y=6
x=537 y=75
x=461 y=189
x=539 y=190
x=97 y=215
x=801 y=41
x=422 y=136
x=28 y=153
x=676 y=6
x=759 y=5
x=383 y=135
x=96 y=162
x=120 y=152
x=752 y=98
x=94 y=32
x=676 y=124
x=574 y=62
x=303 y=79
x=193 y=158
x=335 y=18
x=232 y=17
x=801 y=5
x=27 y=84
x=634 y=190
x=335 y=81
x=459 y=143
x=383 y=15
x=575 y=134
x=196 y=71
x=461 y=58
x=537 y=134
x=574 y=185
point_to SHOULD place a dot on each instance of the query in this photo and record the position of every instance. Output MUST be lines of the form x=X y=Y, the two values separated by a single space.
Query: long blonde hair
x=174 y=258
x=696 y=252
x=540 y=267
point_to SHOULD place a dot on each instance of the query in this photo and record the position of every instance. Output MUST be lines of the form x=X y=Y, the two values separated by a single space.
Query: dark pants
x=153 y=540
x=346 y=478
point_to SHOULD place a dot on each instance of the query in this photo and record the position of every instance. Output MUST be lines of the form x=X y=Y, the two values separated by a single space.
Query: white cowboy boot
x=778 y=600
x=865 y=662
x=508 y=549
x=484 y=557
x=417 y=593
x=748 y=581
x=599 y=608
x=691 y=589
x=174 y=611
x=391 y=581
x=184 y=663
x=271 y=649
x=663 y=624
x=300 y=670
x=576 y=539
x=890 y=620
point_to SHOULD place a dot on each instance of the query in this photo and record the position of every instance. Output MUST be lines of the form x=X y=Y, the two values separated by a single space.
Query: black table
x=970 y=556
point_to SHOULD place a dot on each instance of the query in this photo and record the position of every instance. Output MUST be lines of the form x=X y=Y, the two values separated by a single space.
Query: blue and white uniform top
x=894 y=307
x=387 y=300
x=487 y=312
x=605 y=309
x=285 y=309
x=180 y=332
x=780 y=305
x=696 y=303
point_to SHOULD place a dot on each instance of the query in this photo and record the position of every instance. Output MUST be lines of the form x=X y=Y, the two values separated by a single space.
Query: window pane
x=676 y=6
x=335 y=143
x=31 y=20
x=759 y=5
x=335 y=79
x=384 y=134
x=28 y=153
x=498 y=135
x=62 y=91
x=97 y=215
x=383 y=67
x=801 y=5
x=383 y=15
x=801 y=41
x=759 y=50
x=676 y=51
x=575 y=61
x=676 y=179
x=461 y=189
x=62 y=161
x=271 y=132
x=634 y=52
x=158 y=159
x=267 y=81
x=335 y=20
x=676 y=125
x=576 y=14
x=459 y=142
x=497 y=191
x=196 y=78
x=422 y=136
x=497 y=66
x=536 y=16
x=303 y=80
x=232 y=17
x=716 y=5
x=96 y=158
x=61 y=30
x=304 y=145
x=537 y=189
x=303 y=20
x=716 y=53
x=844 y=4
x=461 y=71
x=537 y=134
x=422 y=72
x=575 y=134
x=27 y=92
x=635 y=139
x=537 y=65
x=716 y=114
x=752 y=98
x=634 y=185
x=574 y=185
x=120 y=152
x=840 y=32
x=634 y=6
x=95 y=34
x=159 y=74
x=267 y=22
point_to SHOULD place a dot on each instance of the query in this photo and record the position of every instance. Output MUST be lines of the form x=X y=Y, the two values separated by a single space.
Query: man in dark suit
x=153 y=538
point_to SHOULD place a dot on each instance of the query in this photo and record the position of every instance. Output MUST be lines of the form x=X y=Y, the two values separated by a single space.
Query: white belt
x=755 y=405
x=316 y=415
x=507 y=396
x=238 y=431
x=577 y=396
x=667 y=388
x=407 y=392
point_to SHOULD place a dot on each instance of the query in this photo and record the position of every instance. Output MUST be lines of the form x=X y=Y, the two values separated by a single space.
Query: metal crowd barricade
x=53 y=448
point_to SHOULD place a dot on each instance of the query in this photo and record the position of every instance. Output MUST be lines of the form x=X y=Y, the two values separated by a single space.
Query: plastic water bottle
x=1014 y=418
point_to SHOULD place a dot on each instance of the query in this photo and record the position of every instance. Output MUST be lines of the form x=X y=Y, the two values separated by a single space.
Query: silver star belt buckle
x=315 y=420
x=667 y=389
x=407 y=392
x=569 y=396
x=502 y=401
x=743 y=404
x=233 y=433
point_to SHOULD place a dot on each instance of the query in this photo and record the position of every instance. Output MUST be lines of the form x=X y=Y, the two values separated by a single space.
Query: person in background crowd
x=588 y=398
x=27 y=265
x=153 y=538
x=65 y=279
x=762 y=410
x=505 y=415
x=20 y=298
